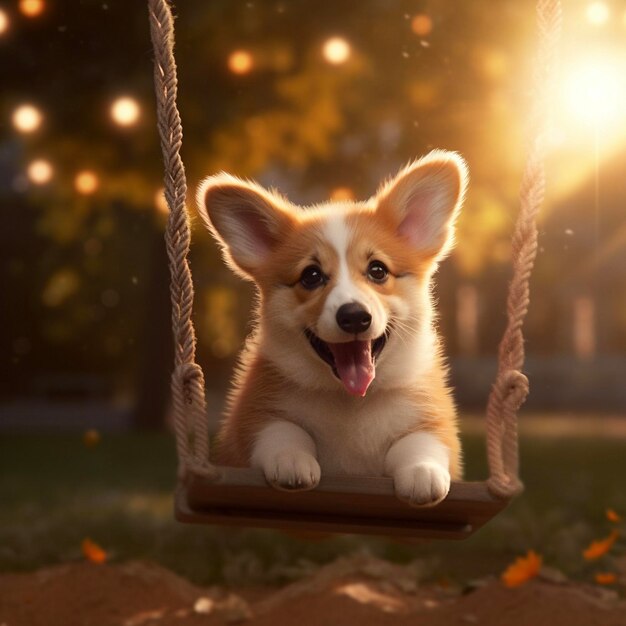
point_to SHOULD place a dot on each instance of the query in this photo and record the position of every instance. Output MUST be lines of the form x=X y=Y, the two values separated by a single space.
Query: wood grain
x=341 y=504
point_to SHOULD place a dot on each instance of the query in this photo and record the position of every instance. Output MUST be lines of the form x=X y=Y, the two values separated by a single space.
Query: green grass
x=54 y=492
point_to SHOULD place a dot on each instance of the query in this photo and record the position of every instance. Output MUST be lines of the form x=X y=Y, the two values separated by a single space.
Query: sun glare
x=595 y=94
x=597 y=13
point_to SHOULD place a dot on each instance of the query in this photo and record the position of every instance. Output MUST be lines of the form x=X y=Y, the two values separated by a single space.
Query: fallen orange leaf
x=91 y=438
x=612 y=516
x=93 y=552
x=599 y=548
x=522 y=569
x=605 y=578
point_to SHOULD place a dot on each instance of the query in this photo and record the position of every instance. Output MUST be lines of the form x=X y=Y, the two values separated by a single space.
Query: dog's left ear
x=423 y=201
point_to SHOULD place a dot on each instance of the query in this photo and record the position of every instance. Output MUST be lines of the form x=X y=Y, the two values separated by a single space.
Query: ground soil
x=359 y=592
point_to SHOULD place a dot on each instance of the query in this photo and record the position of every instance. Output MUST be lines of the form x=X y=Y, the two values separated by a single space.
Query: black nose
x=353 y=318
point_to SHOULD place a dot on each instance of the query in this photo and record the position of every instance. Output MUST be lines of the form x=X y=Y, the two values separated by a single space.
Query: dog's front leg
x=419 y=466
x=287 y=455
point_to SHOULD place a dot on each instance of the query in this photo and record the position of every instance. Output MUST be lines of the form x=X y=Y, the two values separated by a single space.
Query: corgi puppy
x=343 y=372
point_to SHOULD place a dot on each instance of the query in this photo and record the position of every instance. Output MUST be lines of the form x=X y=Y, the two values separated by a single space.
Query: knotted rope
x=188 y=399
x=511 y=386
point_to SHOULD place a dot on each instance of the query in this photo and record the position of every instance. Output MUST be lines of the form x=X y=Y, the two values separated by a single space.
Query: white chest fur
x=351 y=435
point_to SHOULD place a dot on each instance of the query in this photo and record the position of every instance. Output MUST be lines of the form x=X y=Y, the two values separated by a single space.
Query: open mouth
x=352 y=362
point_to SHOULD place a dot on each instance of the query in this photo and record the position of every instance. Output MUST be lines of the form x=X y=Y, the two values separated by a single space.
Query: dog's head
x=344 y=286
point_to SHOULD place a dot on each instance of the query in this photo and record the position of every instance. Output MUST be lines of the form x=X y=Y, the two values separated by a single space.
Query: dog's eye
x=312 y=277
x=377 y=272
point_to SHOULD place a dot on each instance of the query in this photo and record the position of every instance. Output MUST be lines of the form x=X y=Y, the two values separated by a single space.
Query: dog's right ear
x=247 y=221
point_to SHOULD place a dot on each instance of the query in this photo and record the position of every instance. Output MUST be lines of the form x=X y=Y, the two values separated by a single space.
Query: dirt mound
x=83 y=594
x=361 y=591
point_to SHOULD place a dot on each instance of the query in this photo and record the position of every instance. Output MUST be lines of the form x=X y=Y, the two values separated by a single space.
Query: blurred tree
x=259 y=98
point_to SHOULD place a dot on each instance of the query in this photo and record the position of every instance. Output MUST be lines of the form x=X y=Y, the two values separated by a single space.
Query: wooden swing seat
x=362 y=505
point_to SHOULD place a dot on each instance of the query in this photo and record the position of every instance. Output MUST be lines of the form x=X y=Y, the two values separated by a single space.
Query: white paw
x=424 y=484
x=292 y=470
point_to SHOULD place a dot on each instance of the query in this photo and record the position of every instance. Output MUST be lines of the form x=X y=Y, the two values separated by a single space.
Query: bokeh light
x=39 y=171
x=342 y=193
x=86 y=182
x=160 y=202
x=26 y=118
x=91 y=438
x=240 y=62
x=424 y=94
x=494 y=64
x=110 y=298
x=125 y=111
x=336 y=50
x=597 y=13
x=4 y=22
x=422 y=25
x=61 y=285
x=31 y=8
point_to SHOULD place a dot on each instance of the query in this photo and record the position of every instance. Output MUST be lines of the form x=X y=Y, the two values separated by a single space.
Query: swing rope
x=511 y=386
x=188 y=395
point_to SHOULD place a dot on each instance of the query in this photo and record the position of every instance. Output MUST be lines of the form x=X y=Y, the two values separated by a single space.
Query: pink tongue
x=354 y=364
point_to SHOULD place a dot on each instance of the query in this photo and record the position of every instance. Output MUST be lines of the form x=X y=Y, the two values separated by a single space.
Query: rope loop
x=505 y=486
x=192 y=433
x=509 y=393
x=205 y=469
x=514 y=389
x=188 y=380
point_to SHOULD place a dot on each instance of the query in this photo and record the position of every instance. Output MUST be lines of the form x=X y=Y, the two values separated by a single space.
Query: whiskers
x=404 y=330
